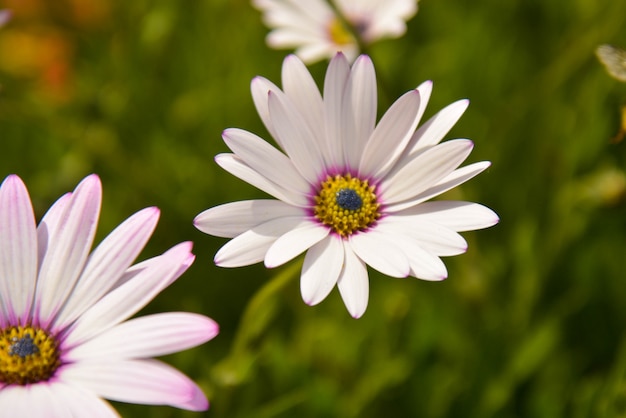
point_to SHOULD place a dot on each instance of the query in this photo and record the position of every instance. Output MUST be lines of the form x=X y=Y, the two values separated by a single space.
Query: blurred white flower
x=350 y=192
x=316 y=31
x=5 y=15
x=65 y=342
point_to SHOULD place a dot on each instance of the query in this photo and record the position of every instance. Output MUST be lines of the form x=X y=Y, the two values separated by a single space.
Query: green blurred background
x=530 y=322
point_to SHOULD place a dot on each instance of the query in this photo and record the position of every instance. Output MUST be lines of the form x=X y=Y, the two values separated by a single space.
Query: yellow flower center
x=27 y=355
x=346 y=204
x=338 y=33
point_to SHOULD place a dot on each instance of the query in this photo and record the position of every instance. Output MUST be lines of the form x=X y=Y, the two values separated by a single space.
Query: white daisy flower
x=315 y=29
x=350 y=192
x=64 y=340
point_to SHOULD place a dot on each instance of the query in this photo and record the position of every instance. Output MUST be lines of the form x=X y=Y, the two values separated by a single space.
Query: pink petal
x=131 y=296
x=18 y=251
x=68 y=248
x=108 y=262
x=148 y=336
x=147 y=382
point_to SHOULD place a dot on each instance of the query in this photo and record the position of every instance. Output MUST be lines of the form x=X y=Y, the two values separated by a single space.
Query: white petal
x=433 y=131
x=424 y=171
x=231 y=219
x=265 y=160
x=353 y=284
x=433 y=237
x=320 y=270
x=147 y=336
x=235 y=166
x=456 y=215
x=39 y=400
x=452 y=180
x=68 y=248
x=423 y=264
x=300 y=87
x=128 y=298
x=260 y=87
x=334 y=88
x=108 y=262
x=251 y=246
x=147 y=382
x=80 y=402
x=294 y=242
x=361 y=95
x=298 y=141
x=380 y=252
x=390 y=136
x=18 y=251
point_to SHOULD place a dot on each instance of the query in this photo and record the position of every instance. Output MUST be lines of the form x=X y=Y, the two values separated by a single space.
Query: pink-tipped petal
x=294 y=242
x=18 y=251
x=353 y=284
x=148 y=336
x=148 y=382
x=320 y=270
x=231 y=219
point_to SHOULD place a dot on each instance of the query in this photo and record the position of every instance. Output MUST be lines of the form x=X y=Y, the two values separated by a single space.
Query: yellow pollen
x=346 y=204
x=339 y=34
x=27 y=355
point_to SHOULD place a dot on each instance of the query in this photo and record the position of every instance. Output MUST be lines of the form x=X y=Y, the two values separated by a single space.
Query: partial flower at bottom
x=65 y=341
x=350 y=192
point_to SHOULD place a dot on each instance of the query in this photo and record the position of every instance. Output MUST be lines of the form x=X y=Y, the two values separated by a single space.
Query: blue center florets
x=23 y=346
x=348 y=199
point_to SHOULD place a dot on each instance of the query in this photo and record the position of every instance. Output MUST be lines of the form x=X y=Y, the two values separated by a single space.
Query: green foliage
x=530 y=322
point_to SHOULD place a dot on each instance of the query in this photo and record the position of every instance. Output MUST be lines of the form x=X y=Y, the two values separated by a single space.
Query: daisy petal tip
x=356 y=313
x=197 y=400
